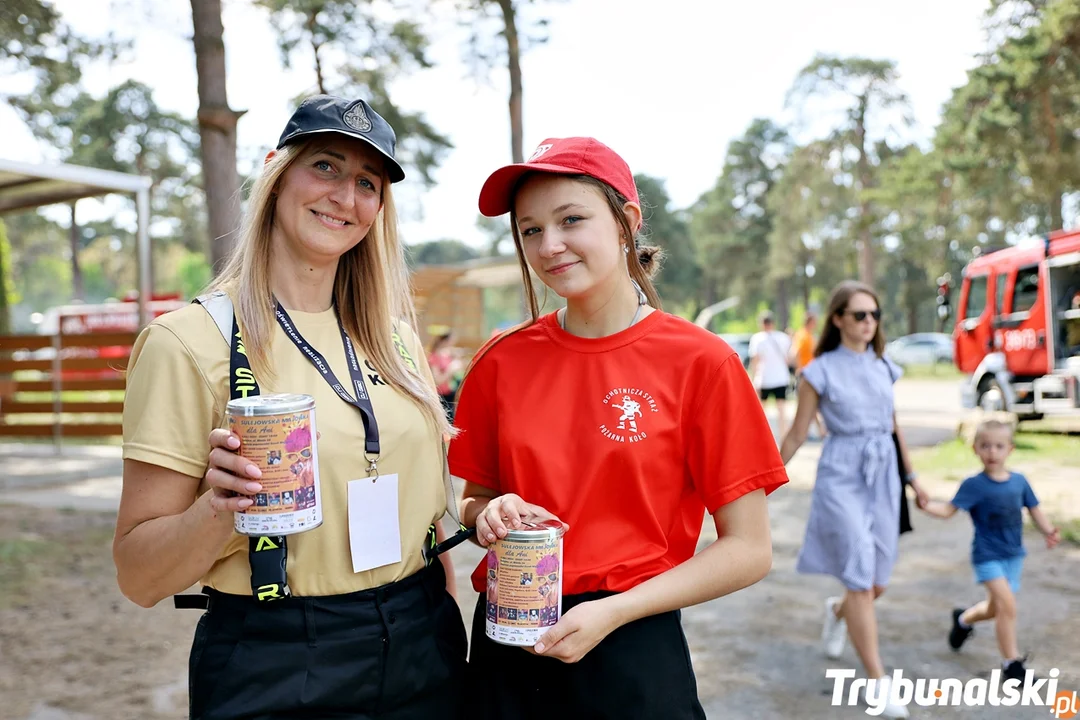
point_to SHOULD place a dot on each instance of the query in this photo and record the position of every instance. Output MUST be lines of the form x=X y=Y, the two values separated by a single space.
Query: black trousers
x=395 y=653
x=642 y=670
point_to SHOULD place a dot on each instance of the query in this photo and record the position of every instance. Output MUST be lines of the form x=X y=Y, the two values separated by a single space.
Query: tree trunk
x=1053 y=156
x=513 y=52
x=866 y=249
x=805 y=285
x=77 y=288
x=217 y=130
x=315 y=50
x=781 y=310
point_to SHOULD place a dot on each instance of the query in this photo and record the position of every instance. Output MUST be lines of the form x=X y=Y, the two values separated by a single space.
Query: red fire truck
x=1017 y=331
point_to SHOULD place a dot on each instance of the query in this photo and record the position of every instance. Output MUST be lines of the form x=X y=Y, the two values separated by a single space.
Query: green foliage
x=35 y=40
x=193 y=273
x=499 y=235
x=46 y=283
x=1008 y=134
x=439 y=252
x=369 y=45
x=680 y=274
x=485 y=20
x=731 y=223
x=955 y=459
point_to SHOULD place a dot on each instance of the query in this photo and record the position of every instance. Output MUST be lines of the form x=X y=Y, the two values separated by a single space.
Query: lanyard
x=267 y=555
x=361 y=402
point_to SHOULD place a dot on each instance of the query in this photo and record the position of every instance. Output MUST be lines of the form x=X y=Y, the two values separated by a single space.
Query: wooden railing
x=63 y=385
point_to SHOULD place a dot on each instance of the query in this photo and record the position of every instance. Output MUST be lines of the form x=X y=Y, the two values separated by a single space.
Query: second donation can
x=524 y=583
x=277 y=433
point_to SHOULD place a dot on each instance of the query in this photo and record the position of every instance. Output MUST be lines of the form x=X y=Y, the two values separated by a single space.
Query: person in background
x=768 y=351
x=995 y=498
x=802 y=352
x=853 y=531
x=445 y=365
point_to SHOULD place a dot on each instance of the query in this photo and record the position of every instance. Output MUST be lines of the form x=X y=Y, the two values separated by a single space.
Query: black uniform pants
x=642 y=670
x=395 y=652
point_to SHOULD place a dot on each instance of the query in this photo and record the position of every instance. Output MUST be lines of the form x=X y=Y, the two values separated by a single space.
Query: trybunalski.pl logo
x=977 y=692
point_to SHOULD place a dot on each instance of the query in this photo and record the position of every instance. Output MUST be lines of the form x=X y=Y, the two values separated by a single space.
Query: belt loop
x=309 y=622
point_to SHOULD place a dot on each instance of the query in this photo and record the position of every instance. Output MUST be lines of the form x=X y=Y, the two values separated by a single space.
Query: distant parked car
x=921 y=349
x=740 y=343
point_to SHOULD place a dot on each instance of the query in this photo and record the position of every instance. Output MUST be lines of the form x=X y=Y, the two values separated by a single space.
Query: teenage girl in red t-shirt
x=625 y=423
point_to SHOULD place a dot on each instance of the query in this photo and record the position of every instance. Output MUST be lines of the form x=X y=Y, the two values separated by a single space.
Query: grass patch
x=1070 y=531
x=37 y=547
x=938 y=371
x=955 y=459
x=22 y=563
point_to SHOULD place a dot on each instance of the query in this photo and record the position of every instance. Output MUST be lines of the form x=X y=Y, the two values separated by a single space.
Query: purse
x=905 y=509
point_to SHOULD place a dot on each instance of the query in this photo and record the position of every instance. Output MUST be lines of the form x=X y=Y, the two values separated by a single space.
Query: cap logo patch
x=356 y=118
x=540 y=150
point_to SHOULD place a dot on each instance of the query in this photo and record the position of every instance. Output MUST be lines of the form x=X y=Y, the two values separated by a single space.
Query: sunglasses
x=860 y=315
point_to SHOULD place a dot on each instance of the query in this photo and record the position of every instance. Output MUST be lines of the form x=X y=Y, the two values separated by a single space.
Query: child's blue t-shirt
x=996 y=510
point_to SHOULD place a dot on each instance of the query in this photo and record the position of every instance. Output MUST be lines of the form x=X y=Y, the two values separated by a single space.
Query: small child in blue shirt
x=995 y=499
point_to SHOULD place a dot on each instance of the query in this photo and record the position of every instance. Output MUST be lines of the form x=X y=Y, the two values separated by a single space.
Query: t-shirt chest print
x=626 y=414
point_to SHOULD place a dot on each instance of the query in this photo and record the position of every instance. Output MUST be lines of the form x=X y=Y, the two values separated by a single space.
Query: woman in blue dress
x=854 y=520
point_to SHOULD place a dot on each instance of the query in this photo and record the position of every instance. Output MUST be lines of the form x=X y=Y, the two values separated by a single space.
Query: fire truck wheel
x=991 y=398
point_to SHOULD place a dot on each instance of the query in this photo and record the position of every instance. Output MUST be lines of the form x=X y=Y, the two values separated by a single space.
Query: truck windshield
x=976 y=299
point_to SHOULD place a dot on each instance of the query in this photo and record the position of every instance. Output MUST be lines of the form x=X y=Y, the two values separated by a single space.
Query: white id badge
x=374 y=530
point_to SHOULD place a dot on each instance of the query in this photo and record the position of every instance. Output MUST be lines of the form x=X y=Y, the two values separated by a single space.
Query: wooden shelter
x=460 y=297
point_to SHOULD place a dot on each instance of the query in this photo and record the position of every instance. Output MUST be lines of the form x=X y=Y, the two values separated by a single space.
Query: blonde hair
x=992 y=425
x=371 y=288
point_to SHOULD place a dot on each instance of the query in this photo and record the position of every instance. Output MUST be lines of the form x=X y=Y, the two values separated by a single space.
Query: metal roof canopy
x=25 y=186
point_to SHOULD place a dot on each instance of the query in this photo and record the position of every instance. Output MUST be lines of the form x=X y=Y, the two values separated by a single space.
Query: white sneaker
x=834 y=631
x=891 y=709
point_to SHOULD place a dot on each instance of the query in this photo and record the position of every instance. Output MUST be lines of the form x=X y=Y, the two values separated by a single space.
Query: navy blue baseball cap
x=355 y=118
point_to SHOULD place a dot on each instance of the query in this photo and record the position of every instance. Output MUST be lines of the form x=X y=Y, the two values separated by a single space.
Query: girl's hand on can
x=232 y=477
x=577 y=632
x=505 y=513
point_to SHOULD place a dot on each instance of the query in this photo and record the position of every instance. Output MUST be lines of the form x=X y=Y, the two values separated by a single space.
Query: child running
x=995 y=499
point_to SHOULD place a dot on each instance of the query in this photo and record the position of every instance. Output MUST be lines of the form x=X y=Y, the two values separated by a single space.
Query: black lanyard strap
x=362 y=402
x=267 y=556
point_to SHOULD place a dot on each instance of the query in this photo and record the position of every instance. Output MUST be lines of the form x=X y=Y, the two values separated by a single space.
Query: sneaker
x=1015 y=670
x=891 y=709
x=834 y=630
x=958 y=635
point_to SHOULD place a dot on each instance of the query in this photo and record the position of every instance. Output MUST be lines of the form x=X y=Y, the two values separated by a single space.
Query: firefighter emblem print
x=627 y=408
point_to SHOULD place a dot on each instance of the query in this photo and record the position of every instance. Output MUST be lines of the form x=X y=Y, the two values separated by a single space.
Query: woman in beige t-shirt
x=318 y=248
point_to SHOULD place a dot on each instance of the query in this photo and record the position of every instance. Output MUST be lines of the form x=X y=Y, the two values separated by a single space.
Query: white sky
x=666 y=84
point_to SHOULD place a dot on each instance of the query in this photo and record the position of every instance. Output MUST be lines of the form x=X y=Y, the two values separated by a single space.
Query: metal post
x=57 y=388
x=146 y=279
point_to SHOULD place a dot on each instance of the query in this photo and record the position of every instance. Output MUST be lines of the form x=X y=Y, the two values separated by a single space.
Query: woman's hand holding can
x=232 y=477
x=505 y=513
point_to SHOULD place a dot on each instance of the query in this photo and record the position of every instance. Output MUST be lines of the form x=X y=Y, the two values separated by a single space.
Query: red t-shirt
x=628 y=438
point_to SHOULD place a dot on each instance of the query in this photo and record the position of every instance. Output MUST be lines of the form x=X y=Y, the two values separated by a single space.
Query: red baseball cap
x=563 y=156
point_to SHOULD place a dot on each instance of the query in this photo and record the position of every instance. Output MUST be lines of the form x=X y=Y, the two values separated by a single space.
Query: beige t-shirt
x=176 y=394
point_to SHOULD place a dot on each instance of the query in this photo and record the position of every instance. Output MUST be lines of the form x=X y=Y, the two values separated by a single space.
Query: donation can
x=524 y=583
x=277 y=433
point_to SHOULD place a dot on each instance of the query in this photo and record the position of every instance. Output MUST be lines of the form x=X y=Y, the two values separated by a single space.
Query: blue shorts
x=1009 y=569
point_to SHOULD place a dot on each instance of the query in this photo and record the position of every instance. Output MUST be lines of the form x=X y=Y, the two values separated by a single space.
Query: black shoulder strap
x=267 y=556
